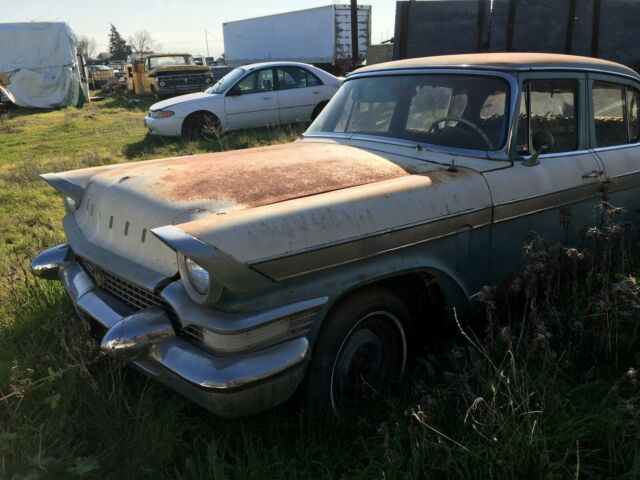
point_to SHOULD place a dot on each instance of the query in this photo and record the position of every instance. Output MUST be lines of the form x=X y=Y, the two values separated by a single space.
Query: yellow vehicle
x=166 y=74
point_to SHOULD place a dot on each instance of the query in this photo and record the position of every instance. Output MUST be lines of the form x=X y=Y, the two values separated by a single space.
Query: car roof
x=253 y=66
x=507 y=61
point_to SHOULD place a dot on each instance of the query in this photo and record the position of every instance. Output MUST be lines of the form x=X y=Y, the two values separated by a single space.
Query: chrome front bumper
x=229 y=386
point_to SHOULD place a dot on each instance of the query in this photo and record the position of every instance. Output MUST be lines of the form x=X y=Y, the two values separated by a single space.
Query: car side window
x=615 y=114
x=294 y=77
x=633 y=101
x=257 y=82
x=608 y=114
x=312 y=80
x=548 y=105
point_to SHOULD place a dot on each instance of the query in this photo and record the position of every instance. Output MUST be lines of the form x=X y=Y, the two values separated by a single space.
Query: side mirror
x=541 y=142
x=235 y=92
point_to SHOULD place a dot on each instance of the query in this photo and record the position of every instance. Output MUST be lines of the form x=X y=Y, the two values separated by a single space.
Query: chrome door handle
x=593 y=174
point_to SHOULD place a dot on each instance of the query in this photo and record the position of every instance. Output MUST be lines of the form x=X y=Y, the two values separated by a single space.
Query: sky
x=175 y=25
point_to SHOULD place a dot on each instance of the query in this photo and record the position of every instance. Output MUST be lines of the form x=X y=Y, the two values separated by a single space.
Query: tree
x=142 y=42
x=117 y=45
x=86 y=46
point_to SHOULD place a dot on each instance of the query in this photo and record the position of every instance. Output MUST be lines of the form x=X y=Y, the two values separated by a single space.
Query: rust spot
x=265 y=175
x=126 y=177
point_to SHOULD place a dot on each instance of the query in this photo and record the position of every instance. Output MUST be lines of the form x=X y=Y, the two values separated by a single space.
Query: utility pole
x=206 y=39
x=355 y=57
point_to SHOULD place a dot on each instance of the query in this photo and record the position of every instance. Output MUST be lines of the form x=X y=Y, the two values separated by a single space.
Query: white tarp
x=40 y=60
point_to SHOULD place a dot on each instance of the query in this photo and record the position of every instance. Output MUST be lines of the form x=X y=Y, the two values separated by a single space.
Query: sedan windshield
x=226 y=82
x=462 y=111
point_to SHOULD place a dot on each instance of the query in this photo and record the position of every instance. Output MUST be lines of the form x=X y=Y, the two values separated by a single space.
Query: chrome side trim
x=329 y=256
x=224 y=268
x=527 y=206
x=616 y=147
x=624 y=182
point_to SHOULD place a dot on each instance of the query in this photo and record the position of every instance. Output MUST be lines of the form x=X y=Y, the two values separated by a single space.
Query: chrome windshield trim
x=499 y=154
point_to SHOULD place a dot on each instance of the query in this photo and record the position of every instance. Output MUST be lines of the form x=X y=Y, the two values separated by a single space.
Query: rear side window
x=633 y=99
x=615 y=114
x=293 y=77
x=549 y=105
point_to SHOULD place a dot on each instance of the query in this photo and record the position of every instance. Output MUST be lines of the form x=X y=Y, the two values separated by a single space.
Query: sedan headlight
x=70 y=204
x=161 y=113
x=198 y=276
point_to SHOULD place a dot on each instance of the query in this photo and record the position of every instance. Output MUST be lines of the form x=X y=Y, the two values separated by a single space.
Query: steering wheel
x=435 y=128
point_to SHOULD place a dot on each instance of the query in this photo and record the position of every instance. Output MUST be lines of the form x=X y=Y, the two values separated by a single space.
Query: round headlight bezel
x=213 y=291
x=198 y=276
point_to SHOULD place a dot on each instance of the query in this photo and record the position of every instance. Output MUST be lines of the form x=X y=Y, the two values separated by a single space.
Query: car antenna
x=452 y=167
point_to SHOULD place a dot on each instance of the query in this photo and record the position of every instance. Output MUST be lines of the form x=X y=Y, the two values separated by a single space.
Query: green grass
x=560 y=409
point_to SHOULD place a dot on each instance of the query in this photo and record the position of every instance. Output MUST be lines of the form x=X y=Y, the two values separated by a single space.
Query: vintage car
x=166 y=74
x=256 y=95
x=238 y=277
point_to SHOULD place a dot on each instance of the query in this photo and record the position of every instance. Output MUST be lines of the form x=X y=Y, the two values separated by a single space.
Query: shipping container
x=320 y=36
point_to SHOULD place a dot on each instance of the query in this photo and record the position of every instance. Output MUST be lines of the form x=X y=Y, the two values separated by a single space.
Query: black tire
x=361 y=350
x=317 y=110
x=200 y=125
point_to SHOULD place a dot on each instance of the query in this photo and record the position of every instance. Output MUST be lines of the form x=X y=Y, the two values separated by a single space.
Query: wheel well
x=422 y=295
x=199 y=113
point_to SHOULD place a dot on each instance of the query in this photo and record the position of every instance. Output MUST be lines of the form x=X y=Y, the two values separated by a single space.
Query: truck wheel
x=200 y=125
x=317 y=110
x=361 y=350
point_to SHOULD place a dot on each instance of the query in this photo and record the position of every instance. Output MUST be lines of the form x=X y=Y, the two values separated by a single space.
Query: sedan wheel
x=361 y=351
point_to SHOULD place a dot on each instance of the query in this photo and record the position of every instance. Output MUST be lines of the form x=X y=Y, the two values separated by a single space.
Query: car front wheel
x=361 y=351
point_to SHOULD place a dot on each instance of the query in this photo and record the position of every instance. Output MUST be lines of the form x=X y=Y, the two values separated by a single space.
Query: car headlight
x=70 y=204
x=198 y=276
x=161 y=113
x=162 y=84
x=207 y=80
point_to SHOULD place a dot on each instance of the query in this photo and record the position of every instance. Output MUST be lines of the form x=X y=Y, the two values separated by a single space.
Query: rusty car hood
x=121 y=204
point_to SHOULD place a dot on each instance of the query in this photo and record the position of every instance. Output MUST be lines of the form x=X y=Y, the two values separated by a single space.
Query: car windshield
x=227 y=81
x=169 y=61
x=462 y=111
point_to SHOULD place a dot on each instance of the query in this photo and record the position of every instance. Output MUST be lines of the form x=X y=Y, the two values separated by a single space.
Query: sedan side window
x=293 y=77
x=261 y=81
x=608 y=114
x=549 y=105
x=633 y=100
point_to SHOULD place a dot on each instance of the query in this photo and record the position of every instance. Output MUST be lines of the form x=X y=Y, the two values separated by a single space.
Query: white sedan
x=256 y=95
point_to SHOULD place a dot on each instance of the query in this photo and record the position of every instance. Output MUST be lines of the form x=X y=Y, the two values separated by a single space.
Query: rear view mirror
x=235 y=92
x=541 y=142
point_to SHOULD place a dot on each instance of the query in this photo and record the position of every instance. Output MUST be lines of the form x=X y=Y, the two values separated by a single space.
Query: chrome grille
x=131 y=294
x=194 y=333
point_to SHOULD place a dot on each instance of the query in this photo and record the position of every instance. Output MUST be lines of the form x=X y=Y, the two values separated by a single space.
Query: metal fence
x=600 y=28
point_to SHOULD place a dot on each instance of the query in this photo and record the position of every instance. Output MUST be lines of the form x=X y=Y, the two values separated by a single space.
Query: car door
x=615 y=139
x=557 y=197
x=299 y=91
x=253 y=101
